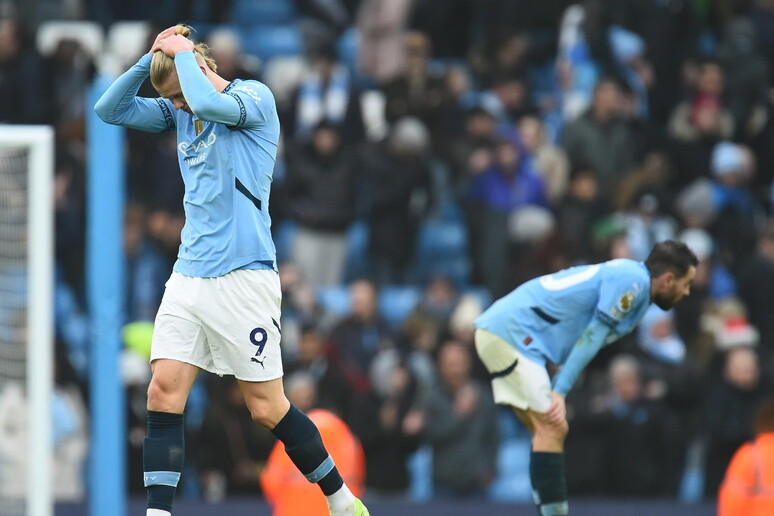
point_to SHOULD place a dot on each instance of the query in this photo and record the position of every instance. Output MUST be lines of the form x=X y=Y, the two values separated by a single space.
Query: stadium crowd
x=436 y=154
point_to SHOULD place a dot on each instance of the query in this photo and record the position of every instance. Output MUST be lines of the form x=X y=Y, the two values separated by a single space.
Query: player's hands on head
x=162 y=35
x=175 y=43
x=557 y=412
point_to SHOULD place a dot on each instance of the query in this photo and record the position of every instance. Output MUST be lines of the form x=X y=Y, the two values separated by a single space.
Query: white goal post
x=38 y=143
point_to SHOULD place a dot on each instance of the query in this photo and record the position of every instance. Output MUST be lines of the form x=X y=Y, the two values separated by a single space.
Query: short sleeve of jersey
x=619 y=294
x=256 y=103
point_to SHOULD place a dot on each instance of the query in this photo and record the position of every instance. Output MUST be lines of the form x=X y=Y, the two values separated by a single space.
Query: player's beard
x=666 y=302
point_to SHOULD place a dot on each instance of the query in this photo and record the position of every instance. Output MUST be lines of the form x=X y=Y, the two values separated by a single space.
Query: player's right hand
x=557 y=412
x=162 y=35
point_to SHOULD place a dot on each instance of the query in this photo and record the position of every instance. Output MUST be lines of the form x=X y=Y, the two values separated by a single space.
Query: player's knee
x=262 y=412
x=555 y=433
x=162 y=397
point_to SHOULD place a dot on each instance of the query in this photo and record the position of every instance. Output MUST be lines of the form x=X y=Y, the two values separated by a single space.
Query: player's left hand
x=557 y=412
x=174 y=44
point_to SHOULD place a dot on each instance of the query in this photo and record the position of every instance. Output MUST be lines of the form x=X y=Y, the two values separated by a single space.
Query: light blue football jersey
x=544 y=317
x=227 y=169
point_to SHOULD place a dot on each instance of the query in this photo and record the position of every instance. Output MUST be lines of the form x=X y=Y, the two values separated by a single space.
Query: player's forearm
x=118 y=101
x=202 y=97
x=584 y=350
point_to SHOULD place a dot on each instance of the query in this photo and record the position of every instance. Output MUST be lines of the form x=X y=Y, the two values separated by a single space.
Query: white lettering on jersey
x=196 y=147
x=551 y=282
x=250 y=93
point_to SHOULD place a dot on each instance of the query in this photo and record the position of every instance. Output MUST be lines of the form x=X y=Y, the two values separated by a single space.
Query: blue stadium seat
x=262 y=12
x=283 y=233
x=334 y=300
x=357 y=251
x=270 y=41
x=443 y=248
x=397 y=302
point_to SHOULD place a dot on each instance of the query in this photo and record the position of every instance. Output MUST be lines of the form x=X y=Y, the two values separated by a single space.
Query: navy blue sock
x=162 y=458
x=305 y=448
x=549 y=486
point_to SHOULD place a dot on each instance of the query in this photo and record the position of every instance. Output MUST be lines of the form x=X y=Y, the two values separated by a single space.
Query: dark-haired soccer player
x=221 y=307
x=565 y=318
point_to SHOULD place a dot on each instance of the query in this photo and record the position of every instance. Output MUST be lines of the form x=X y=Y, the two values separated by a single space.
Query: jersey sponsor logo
x=185 y=147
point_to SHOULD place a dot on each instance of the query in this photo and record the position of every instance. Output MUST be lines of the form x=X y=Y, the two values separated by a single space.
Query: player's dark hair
x=670 y=256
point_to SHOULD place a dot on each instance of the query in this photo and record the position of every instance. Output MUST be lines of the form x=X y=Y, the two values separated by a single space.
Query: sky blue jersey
x=545 y=317
x=226 y=152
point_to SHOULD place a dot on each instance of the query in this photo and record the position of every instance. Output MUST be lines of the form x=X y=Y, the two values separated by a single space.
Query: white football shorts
x=516 y=380
x=228 y=325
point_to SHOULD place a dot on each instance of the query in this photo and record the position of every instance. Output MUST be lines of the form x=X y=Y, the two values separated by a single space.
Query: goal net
x=26 y=319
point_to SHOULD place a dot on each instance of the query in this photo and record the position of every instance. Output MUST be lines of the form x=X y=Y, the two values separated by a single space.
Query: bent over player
x=565 y=318
x=221 y=307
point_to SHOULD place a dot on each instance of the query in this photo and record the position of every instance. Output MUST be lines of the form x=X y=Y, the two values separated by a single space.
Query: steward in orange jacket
x=290 y=493
x=748 y=487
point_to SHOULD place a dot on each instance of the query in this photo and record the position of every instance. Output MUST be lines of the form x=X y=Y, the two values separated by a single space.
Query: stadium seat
x=397 y=302
x=442 y=247
x=357 y=251
x=271 y=41
x=89 y=34
x=334 y=300
x=262 y=12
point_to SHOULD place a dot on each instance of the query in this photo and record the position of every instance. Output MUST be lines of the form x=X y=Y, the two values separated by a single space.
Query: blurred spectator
x=23 y=97
x=549 y=160
x=507 y=99
x=322 y=20
x=312 y=359
x=734 y=228
x=756 y=283
x=388 y=421
x=634 y=434
x=699 y=122
x=360 y=336
x=601 y=138
x=747 y=486
x=320 y=190
x=69 y=70
x=728 y=410
x=429 y=319
x=509 y=184
x=146 y=268
x=420 y=91
x=447 y=24
x=285 y=488
x=579 y=211
x=233 y=63
x=230 y=445
x=748 y=75
x=327 y=92
x=381 y=30
x=462 y=429
x=399 y=189
x=470 y=153
x=647 y=224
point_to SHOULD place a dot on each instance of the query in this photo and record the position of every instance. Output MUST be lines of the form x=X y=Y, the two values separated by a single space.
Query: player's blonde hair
x=162 y=65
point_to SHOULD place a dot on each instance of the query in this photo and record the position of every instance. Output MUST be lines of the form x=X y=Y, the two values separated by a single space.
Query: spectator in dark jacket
x=462 y=427
x=320 y=190
x=399 y=185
